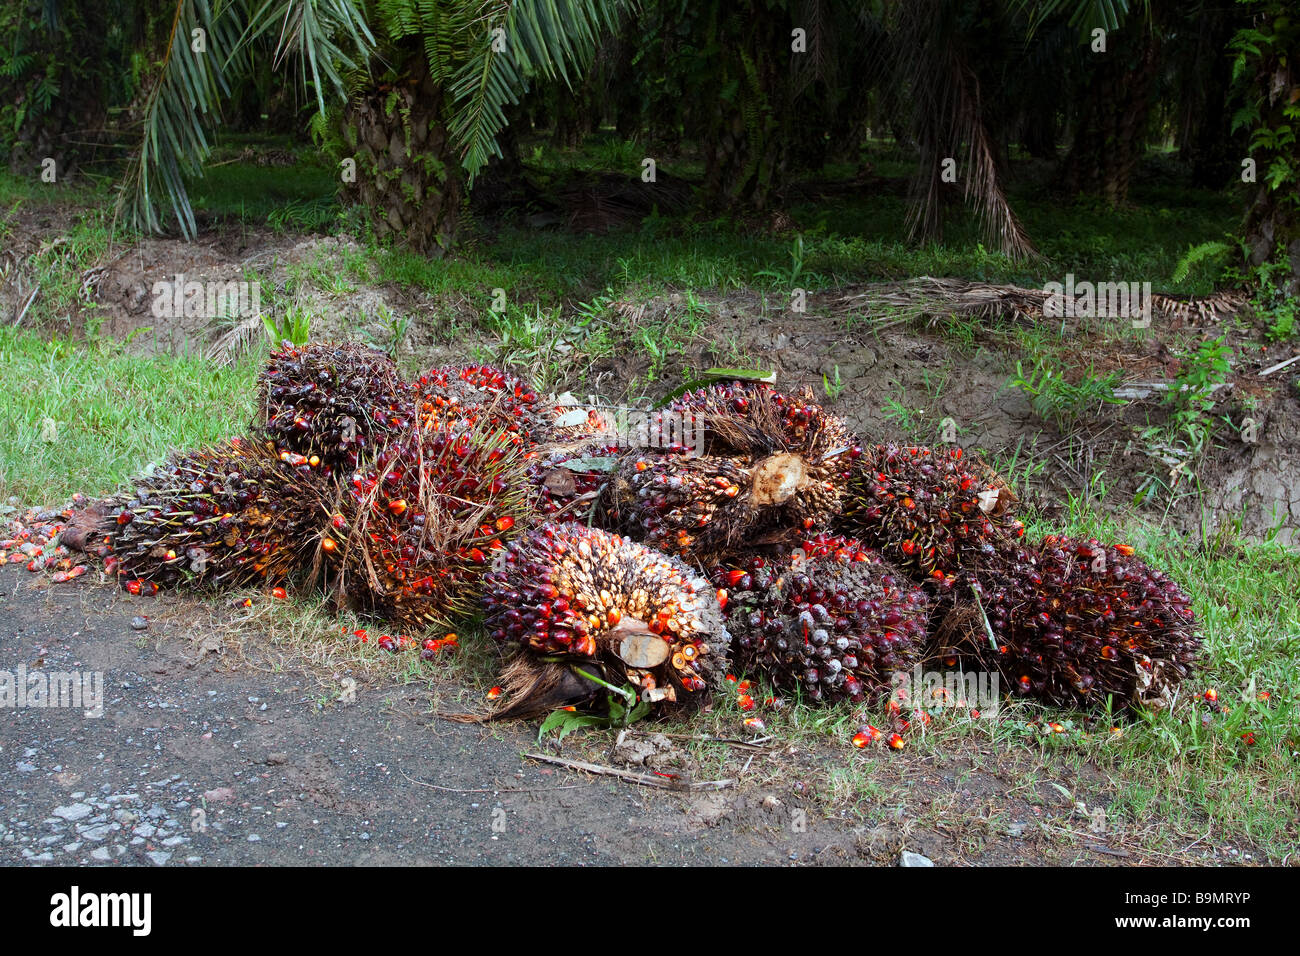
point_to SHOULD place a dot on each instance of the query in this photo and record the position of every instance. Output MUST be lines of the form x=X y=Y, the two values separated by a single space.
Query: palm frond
x=1085 y=15
x=310 y=32
x=547 y=39
x=181 y=108
x=947 y=114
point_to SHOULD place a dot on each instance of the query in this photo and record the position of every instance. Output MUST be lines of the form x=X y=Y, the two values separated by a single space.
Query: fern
x=1205 y=252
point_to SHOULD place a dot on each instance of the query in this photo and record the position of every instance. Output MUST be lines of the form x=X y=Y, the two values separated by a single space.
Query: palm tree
x=424 y=83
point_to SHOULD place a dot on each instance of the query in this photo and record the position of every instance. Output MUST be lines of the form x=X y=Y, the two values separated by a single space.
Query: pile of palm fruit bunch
x=739 y=527
x=839 y=562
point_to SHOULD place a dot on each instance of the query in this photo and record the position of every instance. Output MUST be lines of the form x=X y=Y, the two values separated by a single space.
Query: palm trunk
x=1272 y=224
x=747 y=144
x=409 y=177
x=1111 y=130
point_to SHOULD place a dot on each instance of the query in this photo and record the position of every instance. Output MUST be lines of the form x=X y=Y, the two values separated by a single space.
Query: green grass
x=83 y=418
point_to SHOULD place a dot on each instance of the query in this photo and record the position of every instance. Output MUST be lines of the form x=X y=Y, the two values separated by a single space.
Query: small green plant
x=788 y=278
x=294 y=327
x=909 y=420
x=1192 y=395
x=624 y=708
x=1206 y=257
x=1055 y=399
x=396 y=326
x=833 y=389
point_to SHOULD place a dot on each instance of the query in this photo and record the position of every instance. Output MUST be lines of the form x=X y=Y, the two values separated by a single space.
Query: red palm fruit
x=479 y=394
x=932 y=511
x=636 y=615
x=1076 y=622
x=231 y=515
x=834 y=626
x=340 y=402
x=423 y=523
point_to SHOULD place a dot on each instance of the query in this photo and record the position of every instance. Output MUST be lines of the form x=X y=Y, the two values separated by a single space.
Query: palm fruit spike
x=468 y=394
x=835 y=625
x=928 y=510
x=231 y=515
x=1076 y=622
x=337 y=404
x=611 y=608
x=413 y=534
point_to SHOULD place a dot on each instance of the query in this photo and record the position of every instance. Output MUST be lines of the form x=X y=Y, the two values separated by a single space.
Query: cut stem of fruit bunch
x=772 y=466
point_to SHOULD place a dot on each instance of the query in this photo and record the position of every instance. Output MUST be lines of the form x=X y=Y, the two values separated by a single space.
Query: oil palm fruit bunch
x=468 y=394
x=231 y=515
x=931 y=511
x=834 y=624
x=409 y=538
x=332 y=405
x=773 y=465
x=1075 y=621
x=611 y=609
